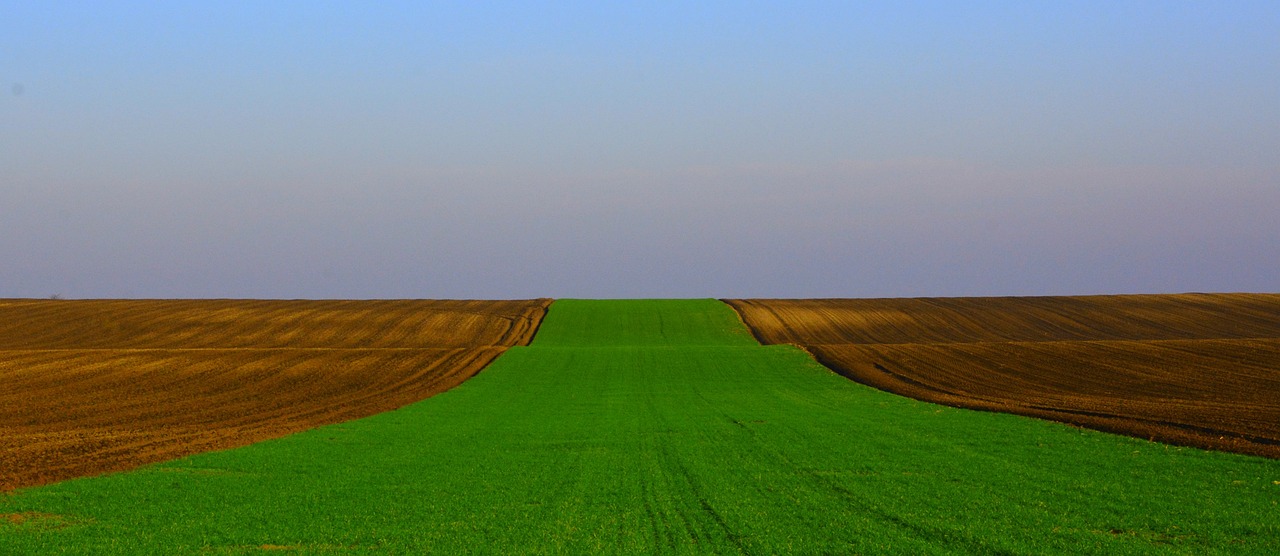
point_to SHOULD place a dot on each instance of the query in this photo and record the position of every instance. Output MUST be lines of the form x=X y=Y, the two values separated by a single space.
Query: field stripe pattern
x=647 y=444
x=260 y=324
x=252 y=370
x=1193 y=369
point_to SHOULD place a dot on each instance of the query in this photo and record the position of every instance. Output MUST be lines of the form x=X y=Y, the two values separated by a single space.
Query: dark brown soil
x=253 y=370
x=1195 y=369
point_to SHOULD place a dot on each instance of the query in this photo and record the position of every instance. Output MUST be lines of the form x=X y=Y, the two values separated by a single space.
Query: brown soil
x=99 y=386
x=1193 y=369
x=232 y=323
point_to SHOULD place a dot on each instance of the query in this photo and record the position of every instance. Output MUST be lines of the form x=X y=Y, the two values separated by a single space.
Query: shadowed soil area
x=1191 y=369
x=107 y=385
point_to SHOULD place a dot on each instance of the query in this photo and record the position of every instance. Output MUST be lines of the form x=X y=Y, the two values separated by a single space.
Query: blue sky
x=728 y=149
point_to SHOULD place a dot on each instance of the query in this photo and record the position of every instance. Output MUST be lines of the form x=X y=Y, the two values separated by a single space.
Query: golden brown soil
x=106 y=385
x=1190 y=369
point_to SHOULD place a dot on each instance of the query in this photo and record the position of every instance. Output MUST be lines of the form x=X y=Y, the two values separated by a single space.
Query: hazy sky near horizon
x=600 y=149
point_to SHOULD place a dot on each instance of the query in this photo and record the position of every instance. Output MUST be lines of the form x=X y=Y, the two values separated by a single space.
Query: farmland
x=661 y=426
x=1193 y=369
x=261 y=324
x=95 y=386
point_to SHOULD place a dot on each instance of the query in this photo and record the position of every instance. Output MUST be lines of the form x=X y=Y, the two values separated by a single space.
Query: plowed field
x=231 y=323
x=97 y=386
x=1194 y=369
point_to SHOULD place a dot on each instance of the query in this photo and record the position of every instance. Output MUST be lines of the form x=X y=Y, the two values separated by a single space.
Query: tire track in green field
x=662 y=426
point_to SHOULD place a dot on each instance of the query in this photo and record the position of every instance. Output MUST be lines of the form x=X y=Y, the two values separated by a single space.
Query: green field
x=662 y=426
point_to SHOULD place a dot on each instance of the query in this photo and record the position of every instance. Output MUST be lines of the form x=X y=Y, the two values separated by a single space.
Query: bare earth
x=108 y=385
x=1190 y=369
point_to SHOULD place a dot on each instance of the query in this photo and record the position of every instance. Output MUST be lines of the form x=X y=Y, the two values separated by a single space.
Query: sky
x=652 y=149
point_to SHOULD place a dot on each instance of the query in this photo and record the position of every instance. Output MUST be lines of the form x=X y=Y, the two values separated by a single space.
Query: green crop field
x=662 y=426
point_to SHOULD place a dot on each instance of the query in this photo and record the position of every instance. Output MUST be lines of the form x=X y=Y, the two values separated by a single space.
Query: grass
x=659 y=426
